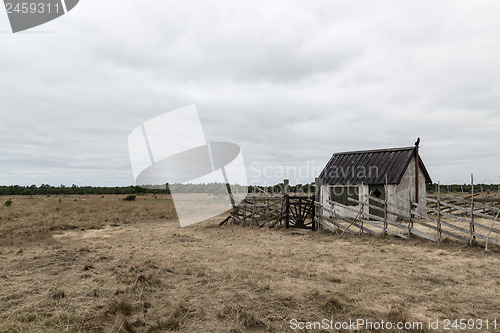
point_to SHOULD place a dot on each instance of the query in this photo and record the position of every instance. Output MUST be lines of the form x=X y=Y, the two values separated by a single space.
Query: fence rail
x=449 y=215
x=258 y=210
x=465 y=218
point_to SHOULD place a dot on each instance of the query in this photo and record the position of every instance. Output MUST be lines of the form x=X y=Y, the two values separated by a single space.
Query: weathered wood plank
x=269 y=219
x=331 y=221
x=450 y=215
x=328 y=226
x=424 y=224
x=463 y=200
x=377 y=218
x=356 y=224
x=449 y=233
x=388 y=231
x=482 y=226
x=422 y=234
x=444 y=223
x=338 y=225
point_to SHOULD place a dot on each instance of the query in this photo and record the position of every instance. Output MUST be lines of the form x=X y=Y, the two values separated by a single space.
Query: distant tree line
x=278 y=188
x=45 y=189
x=466 y=188
x=214 y=188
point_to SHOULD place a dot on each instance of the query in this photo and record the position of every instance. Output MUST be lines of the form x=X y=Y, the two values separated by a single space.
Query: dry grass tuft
x=177 y=315
x=242 y=320
x=121 y=306
x=59 y=294
x=332 y=304
x=147 y=280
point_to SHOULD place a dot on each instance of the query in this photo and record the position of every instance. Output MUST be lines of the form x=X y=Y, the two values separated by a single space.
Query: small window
x=341 y=193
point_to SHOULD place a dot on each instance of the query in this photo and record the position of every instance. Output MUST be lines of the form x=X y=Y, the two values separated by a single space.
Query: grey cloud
x=289 y=81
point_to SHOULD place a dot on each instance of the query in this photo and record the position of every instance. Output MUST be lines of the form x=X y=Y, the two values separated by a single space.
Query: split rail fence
x=465 y=218
x=460 y=218
x=258 y=210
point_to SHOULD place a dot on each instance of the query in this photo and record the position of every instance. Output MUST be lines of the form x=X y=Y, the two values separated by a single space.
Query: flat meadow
x=101 y=264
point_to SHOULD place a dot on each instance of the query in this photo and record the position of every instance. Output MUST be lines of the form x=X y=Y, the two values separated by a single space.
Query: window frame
x=348 y=191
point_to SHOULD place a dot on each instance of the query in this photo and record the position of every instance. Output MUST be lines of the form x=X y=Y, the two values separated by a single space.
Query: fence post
x=252 y=221
x=409 y=215
x=361 y=212
x=471 y=228
x=286 y=196
x=439 y=212
x=386 y=199
x=317 y=199
x=482 y=196
x=244 y=211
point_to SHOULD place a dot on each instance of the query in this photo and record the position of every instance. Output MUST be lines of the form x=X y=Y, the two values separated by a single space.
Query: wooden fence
x=447 y=216
x=258 y=210
x=465 y=217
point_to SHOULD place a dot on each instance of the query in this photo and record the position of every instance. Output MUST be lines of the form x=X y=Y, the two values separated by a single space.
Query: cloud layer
x=289 y=81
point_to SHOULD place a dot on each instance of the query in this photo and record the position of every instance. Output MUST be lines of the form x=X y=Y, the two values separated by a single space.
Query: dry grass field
x=101 y=264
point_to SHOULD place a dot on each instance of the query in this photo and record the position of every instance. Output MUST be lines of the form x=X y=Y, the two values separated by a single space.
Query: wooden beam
x=416 y=170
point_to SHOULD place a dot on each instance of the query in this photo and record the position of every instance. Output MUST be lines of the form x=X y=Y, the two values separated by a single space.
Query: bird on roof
x=417 y=142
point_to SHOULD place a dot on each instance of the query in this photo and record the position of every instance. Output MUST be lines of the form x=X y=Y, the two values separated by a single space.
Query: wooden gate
x=299 y=212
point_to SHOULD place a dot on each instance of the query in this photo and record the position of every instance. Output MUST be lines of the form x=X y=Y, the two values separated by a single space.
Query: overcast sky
x=291 y=82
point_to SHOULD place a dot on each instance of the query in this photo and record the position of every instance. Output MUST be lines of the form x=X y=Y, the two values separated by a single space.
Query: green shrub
x=130 y=197
x=8 y=203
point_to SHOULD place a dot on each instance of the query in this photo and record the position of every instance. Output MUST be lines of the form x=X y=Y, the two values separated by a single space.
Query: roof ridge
x=374 y=151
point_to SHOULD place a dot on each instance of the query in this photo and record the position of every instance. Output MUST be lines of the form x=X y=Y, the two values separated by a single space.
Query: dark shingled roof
x=370 y=167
